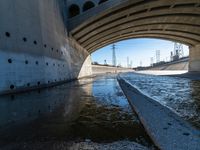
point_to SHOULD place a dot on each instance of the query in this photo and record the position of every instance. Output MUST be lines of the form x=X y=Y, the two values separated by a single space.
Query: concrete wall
x=194 y=59
x=97 y=69
x=180 y=65
x=35 y=49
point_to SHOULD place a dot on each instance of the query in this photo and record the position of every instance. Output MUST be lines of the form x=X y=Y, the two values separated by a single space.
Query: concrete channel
x=90 y=113
x=167 y=129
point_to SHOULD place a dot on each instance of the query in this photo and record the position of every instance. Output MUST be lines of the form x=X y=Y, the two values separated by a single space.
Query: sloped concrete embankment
x=182 y=64
x=167 y=130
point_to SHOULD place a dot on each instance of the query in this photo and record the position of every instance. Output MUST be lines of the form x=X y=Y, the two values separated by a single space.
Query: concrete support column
x=194 y=62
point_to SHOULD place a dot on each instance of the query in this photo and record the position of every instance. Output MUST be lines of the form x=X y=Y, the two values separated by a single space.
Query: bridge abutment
x=35 y=49
x=194 y=61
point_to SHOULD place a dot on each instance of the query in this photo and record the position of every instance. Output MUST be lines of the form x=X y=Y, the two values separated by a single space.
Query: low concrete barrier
x=167 y=130
x=98 y=69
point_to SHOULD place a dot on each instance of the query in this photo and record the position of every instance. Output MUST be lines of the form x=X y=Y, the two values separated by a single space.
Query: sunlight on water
x=93 y=109
x=179 y=94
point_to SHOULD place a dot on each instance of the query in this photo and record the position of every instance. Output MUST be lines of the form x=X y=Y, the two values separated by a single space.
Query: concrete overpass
x=116 y=20
x=45 y=42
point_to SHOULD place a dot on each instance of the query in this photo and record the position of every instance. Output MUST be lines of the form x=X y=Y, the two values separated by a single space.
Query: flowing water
x=181 y=95
x=91 y=109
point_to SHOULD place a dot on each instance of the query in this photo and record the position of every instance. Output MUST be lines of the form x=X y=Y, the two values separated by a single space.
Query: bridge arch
x=102 y=1
x=88 y=5
x=117 y=20
x=172 y=20
x=74 y=10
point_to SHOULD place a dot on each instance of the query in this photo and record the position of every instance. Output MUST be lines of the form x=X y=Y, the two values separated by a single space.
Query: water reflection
x=179 y=94
x=90 y=108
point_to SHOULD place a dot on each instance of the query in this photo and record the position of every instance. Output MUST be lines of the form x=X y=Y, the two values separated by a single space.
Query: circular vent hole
x=10 y=61
x=24 y=39
x=7 y=34
x=12 y=87
x=35 y=42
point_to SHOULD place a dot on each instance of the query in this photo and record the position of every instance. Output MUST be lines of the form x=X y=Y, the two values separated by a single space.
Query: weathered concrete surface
x=35 y=49
x=178 y=65
x=166 y=129
x=86 y=69
x=98 y=69
x=195 y=58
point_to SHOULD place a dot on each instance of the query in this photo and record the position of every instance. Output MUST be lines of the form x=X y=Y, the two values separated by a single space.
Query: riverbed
x=91 y=113
x=181 y=95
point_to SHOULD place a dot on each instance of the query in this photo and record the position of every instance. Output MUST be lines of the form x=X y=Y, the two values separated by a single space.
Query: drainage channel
x=167 y=129
x=91 y=113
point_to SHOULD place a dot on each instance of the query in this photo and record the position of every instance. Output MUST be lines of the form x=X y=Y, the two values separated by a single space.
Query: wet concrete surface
x=88 y=110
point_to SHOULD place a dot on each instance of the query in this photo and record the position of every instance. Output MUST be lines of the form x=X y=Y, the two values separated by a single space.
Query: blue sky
x=138 y=50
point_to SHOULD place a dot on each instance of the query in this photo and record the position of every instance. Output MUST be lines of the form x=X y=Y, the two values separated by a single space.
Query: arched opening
x=114 y=25
x=88 y=5
x=144 y=53
x=74 y=10
x=102 y=1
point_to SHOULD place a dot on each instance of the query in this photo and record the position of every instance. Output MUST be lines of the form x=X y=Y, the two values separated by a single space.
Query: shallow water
x=181 y=95
x=92 y=109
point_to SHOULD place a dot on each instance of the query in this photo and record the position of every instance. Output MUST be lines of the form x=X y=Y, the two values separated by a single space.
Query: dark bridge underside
x=175 y=20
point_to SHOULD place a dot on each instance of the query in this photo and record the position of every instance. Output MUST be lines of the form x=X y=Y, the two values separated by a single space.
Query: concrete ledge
x=100 y=69
x=190 y=75
x=167 y=129
x=42 y=86
x=33 y=88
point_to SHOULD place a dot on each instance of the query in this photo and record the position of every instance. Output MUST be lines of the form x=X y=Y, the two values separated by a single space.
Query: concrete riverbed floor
x=89 y=114
x=55 y=145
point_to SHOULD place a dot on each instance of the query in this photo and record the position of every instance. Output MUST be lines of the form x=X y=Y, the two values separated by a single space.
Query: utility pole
x=114 y=61
x=151 y=61
x=171 y=56
x=157 y=56
x=127 y=62
x=178 y=51
x=140 y=63
x=105 y=62
x=131 y=64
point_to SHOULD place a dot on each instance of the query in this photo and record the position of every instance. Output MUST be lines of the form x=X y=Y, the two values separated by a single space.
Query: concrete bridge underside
x=117 y=20
x=46 y=42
